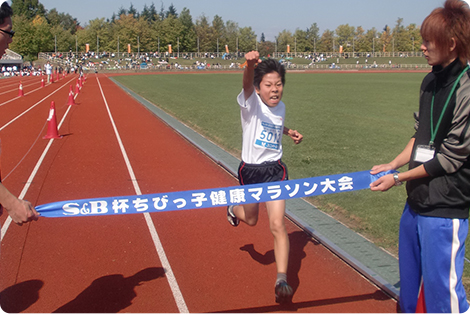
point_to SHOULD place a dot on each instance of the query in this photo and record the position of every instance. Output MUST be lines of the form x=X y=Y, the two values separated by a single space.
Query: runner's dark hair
x=266 y=67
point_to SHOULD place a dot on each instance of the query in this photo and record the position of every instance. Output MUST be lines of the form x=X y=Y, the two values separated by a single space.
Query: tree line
x=41 y=30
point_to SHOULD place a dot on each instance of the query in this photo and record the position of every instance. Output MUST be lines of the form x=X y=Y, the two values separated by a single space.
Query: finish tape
x=216 y=197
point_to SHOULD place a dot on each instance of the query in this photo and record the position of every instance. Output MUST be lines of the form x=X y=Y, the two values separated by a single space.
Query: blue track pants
x=431 y=252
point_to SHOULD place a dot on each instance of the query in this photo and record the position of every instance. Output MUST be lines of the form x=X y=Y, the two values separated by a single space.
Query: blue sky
x=270 y=17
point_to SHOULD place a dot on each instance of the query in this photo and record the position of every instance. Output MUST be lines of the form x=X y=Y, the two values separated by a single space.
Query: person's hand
x=252 y=59
x=381 y=168
x=22 y=211
x=383 y=183
x=296 y=136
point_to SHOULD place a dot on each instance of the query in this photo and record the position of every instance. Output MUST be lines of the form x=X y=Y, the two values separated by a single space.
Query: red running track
x=162 y=262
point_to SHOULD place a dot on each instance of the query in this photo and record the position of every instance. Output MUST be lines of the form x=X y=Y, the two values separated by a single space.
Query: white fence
x=164 y=62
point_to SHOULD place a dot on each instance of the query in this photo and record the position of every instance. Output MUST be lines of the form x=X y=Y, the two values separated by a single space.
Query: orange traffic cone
x=42 y=82
x=20 y=90
x=71 y=101
x=77 y=88
x=52 y=131
x=52 y=78
x=58 y=75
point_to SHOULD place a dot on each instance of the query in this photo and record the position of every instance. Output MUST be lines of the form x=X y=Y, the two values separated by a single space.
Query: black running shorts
x=261 y=173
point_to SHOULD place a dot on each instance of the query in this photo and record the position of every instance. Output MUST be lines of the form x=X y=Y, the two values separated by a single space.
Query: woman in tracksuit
x=434 y=224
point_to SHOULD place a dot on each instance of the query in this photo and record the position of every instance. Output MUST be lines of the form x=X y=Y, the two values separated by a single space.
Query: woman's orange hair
x=447 y=23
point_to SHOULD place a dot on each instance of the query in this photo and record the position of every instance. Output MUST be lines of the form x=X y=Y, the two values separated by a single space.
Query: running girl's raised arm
x=252 y=59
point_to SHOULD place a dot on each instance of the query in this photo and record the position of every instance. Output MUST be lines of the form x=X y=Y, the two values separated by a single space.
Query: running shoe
x=283 y=292
x=232 y=219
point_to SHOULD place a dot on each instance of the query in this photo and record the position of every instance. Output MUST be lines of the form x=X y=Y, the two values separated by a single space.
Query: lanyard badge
x=424 y=153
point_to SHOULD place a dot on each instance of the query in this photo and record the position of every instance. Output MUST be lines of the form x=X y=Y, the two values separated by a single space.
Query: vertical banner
x=87 y=47
x=226 y=49
x=169 y=49
x=128 y=48
x=288 y=48
x=340 y=49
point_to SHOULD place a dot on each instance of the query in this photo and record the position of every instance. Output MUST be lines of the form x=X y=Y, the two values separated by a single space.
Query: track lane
x=22 y=126
x=200 y=244
x=99 y=247
x=181 y=304
x=218 y=268
x=11 y=84
x=17 y=139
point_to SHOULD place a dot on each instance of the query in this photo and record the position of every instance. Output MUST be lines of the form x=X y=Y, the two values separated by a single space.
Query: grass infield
x=350 y=122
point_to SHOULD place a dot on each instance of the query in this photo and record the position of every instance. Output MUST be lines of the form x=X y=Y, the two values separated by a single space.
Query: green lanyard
x=434 y=130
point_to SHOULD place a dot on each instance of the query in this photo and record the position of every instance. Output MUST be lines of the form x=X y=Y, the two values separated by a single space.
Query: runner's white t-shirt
x=262 y=129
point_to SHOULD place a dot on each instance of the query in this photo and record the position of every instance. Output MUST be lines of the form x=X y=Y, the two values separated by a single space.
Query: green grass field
x=350 y=122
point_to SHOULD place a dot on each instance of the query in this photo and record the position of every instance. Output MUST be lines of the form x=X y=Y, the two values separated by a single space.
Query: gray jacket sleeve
x=455 y=149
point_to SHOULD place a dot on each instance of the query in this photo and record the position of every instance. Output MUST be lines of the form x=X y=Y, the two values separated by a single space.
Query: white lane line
x=15 y=88
x=177 y=295
x=13 y=85
x=30 y=108
x=33 y=174
x=8 y=221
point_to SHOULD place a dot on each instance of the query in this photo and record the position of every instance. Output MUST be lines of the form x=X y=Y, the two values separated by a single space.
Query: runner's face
x=270 y=89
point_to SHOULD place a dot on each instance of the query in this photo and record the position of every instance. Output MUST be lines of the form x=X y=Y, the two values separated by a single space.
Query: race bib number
x=270 y=136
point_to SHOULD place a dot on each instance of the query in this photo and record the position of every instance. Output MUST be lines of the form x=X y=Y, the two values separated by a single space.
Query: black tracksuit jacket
x=446 y=192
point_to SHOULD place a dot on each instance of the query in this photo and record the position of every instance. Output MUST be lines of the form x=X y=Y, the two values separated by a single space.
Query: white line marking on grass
x=178 y=296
